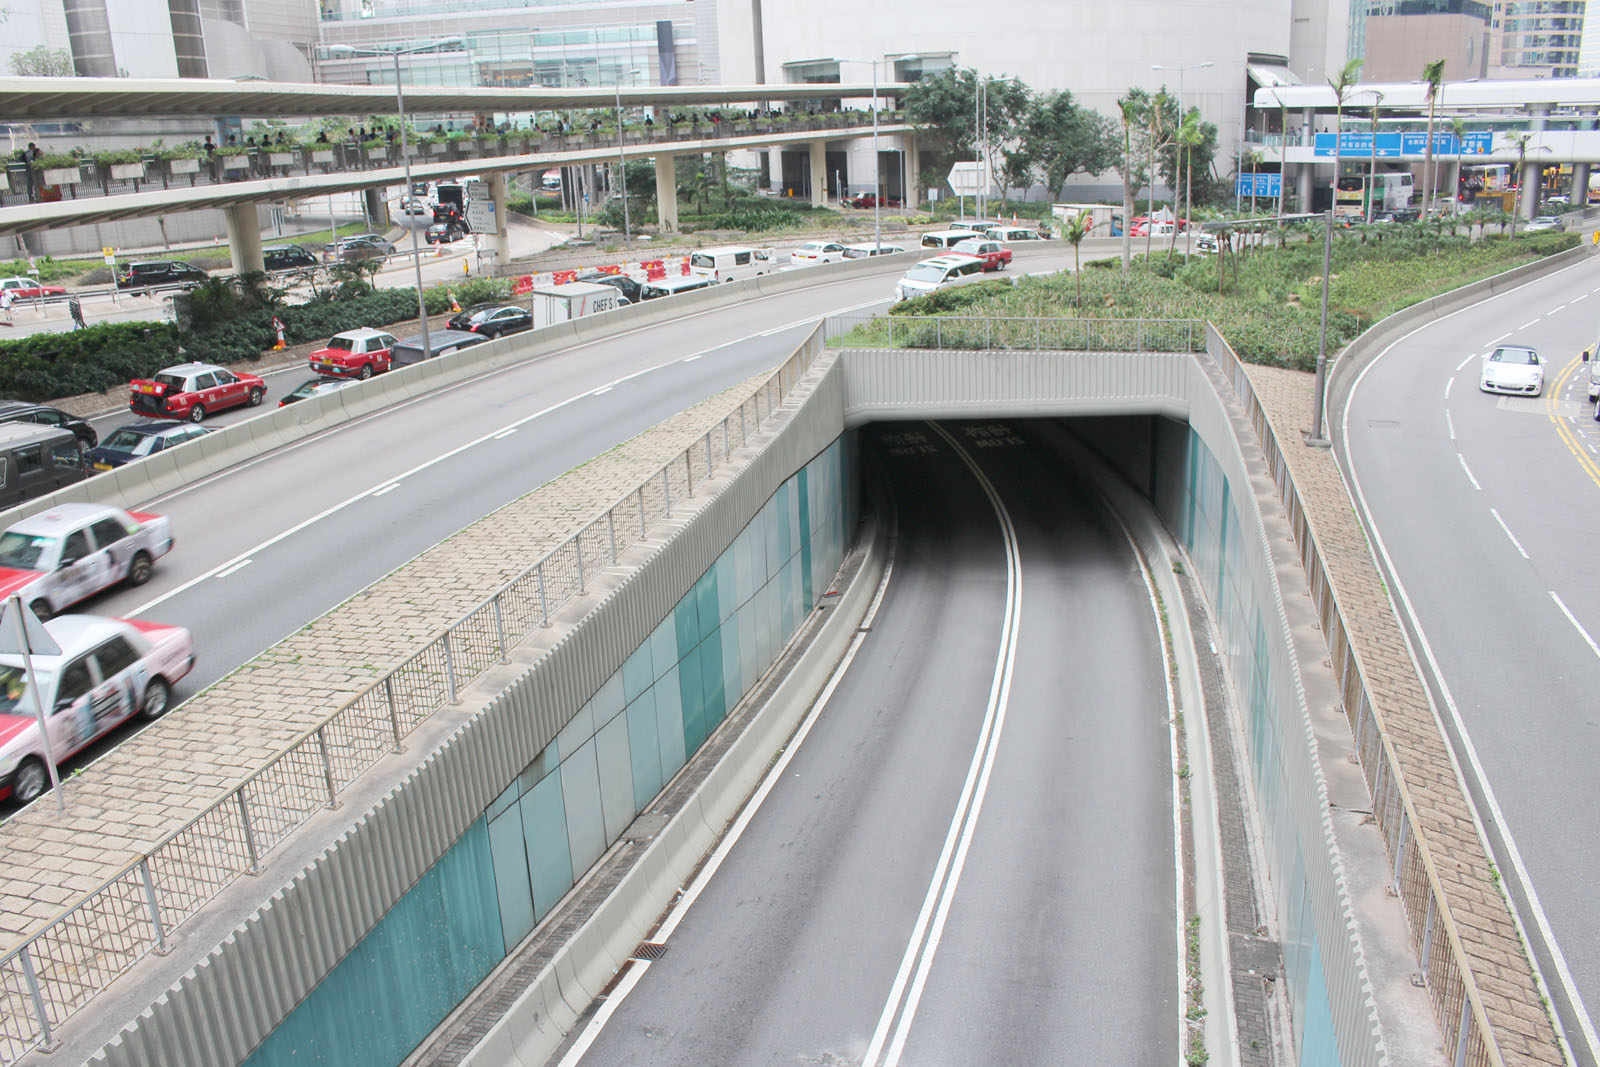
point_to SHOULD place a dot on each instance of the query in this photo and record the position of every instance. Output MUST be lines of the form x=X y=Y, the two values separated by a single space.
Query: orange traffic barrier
x=611 y=268
x=654 y=270
x=522 y=285
x=685 y=270
x=562 y=277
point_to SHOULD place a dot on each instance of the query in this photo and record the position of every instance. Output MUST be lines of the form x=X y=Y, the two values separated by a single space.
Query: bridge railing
x=65 y=963
x=1026 y=334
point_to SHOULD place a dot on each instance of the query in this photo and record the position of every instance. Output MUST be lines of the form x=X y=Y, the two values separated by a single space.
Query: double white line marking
x=894 y=1025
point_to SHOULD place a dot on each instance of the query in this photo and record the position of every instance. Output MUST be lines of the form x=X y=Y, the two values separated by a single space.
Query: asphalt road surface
x=1486 y=512
x=970 y=857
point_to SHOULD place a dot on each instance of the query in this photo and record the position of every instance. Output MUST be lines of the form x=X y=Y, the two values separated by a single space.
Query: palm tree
x=1075 y=231
x=1341 y=89
x=1189 y=138
x=1372 y=170
x=1458 y=126
x=1129 y=107
x=1158 y=108
x=1433 y=74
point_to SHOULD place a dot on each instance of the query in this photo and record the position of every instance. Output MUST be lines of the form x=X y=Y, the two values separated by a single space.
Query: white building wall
x=141 y=37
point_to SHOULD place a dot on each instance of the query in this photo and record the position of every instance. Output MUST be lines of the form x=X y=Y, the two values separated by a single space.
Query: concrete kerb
x=648 y=888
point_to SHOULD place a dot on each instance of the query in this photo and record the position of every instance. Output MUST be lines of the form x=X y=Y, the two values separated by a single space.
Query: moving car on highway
x=323 y=383
x=628 y=287
x=69 y=552
x=940 y=272
x=409 y=350
x=23 y=411
x=866 y=250
x=150 y=273
x=444 y=233
x=995 y=255
x=107 y=670
x=287 y=257
x=867 y=200
x=672 y=286
x=194 y=390
x=28 y=289
x=354 y=354
x=814 y=252
x=1013 y=234
x=1513 y=369
x=137 y=440
x=499 y=320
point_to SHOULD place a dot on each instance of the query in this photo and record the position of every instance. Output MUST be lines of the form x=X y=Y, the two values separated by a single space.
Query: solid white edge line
x=391 y=487
x=1518 y=867
x=597 y=1022
x=1576 y=625
x=1515 y=543
x=503 y=434
x=1468 y=471
x=241 y=565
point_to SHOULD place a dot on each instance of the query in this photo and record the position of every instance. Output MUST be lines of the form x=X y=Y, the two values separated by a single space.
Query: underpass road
x=949 y=870
x=1485 y=510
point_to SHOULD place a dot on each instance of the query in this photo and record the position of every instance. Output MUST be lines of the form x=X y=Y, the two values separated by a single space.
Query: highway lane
x=309 y=520
x=1485 y=512
x=969 y=858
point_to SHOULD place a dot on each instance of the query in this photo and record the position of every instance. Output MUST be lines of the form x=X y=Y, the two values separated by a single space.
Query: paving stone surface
x=1489 y=934
x=156 y=781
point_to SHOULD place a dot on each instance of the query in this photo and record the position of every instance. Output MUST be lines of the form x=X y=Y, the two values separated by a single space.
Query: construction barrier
x=522 y=285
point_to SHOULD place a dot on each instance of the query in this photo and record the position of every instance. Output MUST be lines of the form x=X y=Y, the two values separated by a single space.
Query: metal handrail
x=135 y=908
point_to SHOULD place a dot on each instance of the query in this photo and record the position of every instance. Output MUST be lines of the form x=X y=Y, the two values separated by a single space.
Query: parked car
x=29 y=289
x=354 y=353
x=500 y=320
x=995 y=255
x=287 y=257
x=866 y=250
x=194 y=390
x=358 y=248
x=1513 y=369
x=136 y=440
x=70 y=552
x=440 y=343
x=322 y=383
x=23 y=411
x=628 y=287
x=814 y=252
x=106 y=671
x=147 y=274
x=868 y=200
x=444 y=233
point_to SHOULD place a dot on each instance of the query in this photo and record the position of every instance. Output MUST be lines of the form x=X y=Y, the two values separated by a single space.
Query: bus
x=1390 y=190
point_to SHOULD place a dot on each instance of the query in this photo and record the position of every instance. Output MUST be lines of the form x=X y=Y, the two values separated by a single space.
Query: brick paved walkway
x=150 y=785
x=1490 y=938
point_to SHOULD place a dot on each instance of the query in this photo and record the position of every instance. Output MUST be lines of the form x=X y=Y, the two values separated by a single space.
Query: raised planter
x=322 y=155
x=123 y=172
x=281 y=159
x=377 y=154
x=61 y=176
x=183 y=166
x=235 y=162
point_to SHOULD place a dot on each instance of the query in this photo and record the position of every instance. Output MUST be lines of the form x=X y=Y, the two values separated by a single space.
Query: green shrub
x=755 y=221
x=49 y=365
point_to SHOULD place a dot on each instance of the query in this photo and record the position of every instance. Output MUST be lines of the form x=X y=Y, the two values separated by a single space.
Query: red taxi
x=354 y=354
x=194 y=390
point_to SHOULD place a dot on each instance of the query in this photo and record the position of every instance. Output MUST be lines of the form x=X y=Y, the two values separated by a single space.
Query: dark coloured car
x=23 y=411
x=499 y=321
x=358 y=248
x=137 y=440
x=629 y=287
x=323 y=383
x=287 y=257
x=462 y=319
x=150 y=273
x=444 y=233
x=440 y=343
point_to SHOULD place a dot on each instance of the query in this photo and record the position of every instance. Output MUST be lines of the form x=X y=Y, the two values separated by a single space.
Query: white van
x=674 y=284
x=945 y=238
x=1591 y=356
x=940 y=272
x=731 y=264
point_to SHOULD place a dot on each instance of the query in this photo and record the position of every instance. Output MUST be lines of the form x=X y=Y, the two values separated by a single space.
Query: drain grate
x=649 y=950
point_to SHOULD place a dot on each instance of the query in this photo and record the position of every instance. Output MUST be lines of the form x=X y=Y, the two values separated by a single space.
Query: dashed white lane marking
x=1448 y=385
x=243 y=563
x=1507 y=529
x=1580 y=296
x=1530 y=322
x=1450 y=424
x=391 y=487
x=1555 y=309
x=1503 y=336
x=1576 y=625
x=1468 y=469
x=1463 y=364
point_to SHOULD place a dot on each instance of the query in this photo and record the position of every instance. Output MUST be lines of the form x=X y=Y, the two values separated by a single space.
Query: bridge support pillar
x=1306 y=172
x=819 y=173
x=667 y=192
x=377 y=210
x=1533 y=168
x=1578 y=192
x=499 y=250
x=913 y=164
x=244 y=237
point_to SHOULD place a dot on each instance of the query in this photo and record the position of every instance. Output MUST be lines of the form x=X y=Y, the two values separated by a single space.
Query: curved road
x=970 y=856
x=274 y=543
x=1484 y=510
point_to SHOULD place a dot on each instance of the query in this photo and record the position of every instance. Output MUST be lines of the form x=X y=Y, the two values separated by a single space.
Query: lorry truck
x=572 y=300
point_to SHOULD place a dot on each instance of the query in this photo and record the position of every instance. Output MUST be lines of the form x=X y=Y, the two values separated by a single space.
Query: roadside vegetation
x=1266 y=301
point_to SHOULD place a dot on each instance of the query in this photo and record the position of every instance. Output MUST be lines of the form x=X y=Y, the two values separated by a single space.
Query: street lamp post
x=405 y=156
x=1188 y=208
x=877 y=177
x=622 y=163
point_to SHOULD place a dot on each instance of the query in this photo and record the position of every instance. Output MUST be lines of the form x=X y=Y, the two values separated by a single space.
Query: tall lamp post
x=877 y=178
x=1188 y=235
x=349 y=51
x=622 y=163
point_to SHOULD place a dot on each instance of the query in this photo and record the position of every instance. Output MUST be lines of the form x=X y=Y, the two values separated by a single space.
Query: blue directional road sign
x=1267 y=185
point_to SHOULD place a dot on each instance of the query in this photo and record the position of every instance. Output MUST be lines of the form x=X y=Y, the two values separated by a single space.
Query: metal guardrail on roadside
x=1026 y=334
x=1458 y=1003
x=61 y=966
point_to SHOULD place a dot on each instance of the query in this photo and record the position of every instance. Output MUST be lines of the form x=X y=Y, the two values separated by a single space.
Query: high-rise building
x=1536 y=38
x=1394 y=39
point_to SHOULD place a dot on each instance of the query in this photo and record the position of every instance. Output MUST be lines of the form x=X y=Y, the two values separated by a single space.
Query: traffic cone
x=453 y=305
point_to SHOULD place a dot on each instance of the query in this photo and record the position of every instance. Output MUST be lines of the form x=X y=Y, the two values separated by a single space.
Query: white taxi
x=72 y=551
x=108 y=670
